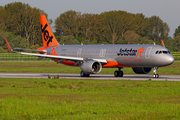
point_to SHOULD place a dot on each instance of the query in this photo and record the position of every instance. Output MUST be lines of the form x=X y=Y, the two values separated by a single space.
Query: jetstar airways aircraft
x=92 y=58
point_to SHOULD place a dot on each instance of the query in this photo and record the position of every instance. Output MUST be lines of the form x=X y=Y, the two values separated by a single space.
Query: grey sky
x=167 y=10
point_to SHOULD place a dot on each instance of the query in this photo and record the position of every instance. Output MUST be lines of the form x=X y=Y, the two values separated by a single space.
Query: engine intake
x=142 y=70
x=91 y=67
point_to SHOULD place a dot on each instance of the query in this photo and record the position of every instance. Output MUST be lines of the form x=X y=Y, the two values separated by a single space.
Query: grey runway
x=93 y=76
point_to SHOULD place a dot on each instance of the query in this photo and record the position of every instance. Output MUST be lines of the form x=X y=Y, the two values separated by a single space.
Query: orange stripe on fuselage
x=109 y=64
x=53 y=52
x=113 y=64
x=68 y=63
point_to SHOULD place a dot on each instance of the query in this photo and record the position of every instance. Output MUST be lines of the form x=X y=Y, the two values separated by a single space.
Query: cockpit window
x=164 y=52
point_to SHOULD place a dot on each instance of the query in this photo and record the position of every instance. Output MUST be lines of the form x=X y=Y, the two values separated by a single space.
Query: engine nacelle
x=142 y=70
x=91 y=67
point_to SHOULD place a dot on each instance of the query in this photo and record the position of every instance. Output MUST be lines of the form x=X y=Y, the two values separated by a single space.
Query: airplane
x=92 y=58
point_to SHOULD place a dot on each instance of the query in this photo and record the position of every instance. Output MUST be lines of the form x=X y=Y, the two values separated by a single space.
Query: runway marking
x=93 y=76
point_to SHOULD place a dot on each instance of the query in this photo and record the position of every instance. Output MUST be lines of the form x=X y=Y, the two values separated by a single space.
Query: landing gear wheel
x=84 y=75
x=87 y=75
x=156 y=75
x=121 y=73
x=116 y=73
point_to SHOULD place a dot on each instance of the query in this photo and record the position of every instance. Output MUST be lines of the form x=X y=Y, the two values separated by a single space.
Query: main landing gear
x=118 y=73
x=155 y=72
x=84 y=75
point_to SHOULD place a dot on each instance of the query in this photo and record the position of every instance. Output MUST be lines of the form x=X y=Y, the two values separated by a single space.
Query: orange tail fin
x=47 y=34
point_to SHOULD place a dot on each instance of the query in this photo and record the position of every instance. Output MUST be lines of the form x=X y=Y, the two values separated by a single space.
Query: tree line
x=111 y=27
x=20 y=24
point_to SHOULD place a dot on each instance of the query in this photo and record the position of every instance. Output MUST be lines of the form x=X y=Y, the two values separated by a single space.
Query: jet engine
x=91 y=67
x=142 y=70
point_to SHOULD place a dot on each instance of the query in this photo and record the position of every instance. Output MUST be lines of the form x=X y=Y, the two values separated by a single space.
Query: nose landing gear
x=155 y=72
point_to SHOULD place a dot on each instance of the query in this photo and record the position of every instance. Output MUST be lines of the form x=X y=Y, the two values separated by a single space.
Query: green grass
x=52 y=67
x=19 y=57
x=55 y=99
x=176 y=55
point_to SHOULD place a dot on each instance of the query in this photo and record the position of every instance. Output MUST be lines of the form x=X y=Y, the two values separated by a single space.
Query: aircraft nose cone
x=170 y=60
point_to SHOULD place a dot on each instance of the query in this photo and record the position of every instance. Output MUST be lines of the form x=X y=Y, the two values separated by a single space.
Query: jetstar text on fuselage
x=130 y=52
x=127 y=52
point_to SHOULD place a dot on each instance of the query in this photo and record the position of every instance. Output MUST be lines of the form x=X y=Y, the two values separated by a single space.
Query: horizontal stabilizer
x=22 y=49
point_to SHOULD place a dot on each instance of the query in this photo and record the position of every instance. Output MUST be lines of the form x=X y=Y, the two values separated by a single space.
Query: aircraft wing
x=64 y=57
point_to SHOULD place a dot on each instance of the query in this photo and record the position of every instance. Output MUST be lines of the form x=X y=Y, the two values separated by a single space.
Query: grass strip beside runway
x=52 y=67
x=88 y=99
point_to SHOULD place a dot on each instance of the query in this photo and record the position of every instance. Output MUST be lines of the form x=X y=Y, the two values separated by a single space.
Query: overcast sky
x=167 y=10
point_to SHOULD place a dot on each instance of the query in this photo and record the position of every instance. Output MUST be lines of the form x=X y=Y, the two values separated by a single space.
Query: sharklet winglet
x=8 y=45
x=162 y=43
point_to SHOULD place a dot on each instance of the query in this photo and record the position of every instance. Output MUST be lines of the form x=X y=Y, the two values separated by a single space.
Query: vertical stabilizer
x=47 y=34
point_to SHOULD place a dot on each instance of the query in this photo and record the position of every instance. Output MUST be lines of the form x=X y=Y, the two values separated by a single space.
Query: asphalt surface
x=92 y=76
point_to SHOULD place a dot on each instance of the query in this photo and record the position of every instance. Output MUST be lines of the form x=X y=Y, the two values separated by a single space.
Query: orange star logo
x=140 y=51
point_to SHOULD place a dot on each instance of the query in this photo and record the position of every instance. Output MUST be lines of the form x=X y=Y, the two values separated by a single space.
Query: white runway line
x=92 y=76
